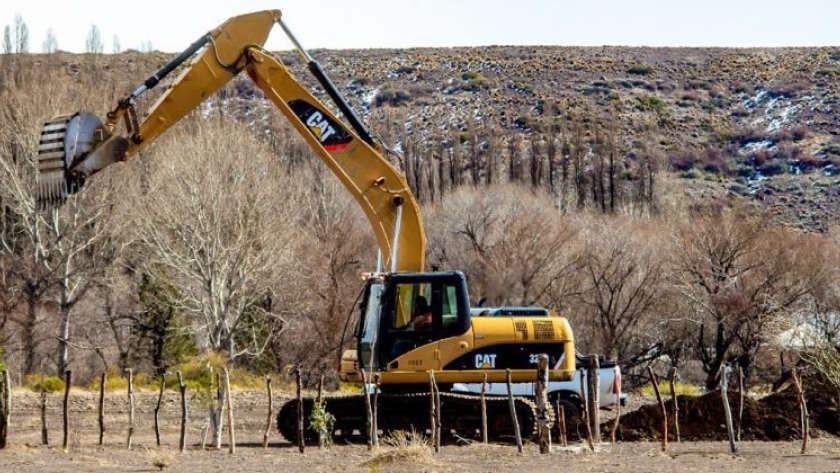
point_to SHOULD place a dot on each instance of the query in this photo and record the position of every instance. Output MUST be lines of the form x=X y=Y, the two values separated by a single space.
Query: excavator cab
x=404 y=312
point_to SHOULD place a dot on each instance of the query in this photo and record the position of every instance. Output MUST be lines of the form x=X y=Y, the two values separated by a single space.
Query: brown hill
x=746 y=124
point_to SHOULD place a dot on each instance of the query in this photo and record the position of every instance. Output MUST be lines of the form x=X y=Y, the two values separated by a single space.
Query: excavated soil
x=773 y=417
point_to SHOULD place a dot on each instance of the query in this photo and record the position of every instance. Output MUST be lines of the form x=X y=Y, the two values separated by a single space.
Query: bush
x=50 y=384
x=651 y=103
x=473 y=81
x=682 y=389
x=391 y=96
x=639 y=69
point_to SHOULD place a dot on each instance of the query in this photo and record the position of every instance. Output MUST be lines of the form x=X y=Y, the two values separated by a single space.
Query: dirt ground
x=26 y=454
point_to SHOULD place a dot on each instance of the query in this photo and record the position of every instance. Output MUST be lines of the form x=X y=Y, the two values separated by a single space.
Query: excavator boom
x=74 y=147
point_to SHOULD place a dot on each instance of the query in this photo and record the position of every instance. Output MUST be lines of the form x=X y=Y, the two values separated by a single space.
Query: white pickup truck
x=567 y=393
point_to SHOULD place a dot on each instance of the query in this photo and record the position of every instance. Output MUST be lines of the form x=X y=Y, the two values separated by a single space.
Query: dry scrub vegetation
x=601 y=182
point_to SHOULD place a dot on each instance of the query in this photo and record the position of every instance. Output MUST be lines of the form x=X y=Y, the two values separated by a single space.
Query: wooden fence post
x=45 y=435
x=740 y=403
x=229 y=408
x=562 y=418
x=664 y=430
x=270 y=408
x=804 y=416
x=484 y=410
x=101 y=413
x=594 y=398
x=585 y=393
x=182 y=442
x=130 y=407
x=300 y=412
x=5 y=407
x=675 y=407
x=513 y=418
x=65 y=405
x=368 y=411
x=157 y=408
x=318 y=401
x=617 y=378
x=727 y=411
x=375 y=416
x=433 y=410
x=221 y=395
x=438 y=413
x=542 y=404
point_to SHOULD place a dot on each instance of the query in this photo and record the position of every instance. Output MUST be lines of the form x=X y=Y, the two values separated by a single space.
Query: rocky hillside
x=753 y=124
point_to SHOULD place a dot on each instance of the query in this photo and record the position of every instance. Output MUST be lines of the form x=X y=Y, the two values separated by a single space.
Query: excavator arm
x=74 y=147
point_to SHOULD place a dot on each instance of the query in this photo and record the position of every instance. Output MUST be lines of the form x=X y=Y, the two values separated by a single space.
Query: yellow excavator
x=411 y=322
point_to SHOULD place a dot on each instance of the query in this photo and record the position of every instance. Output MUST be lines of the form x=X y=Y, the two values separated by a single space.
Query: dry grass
x=402 y=448
x=160 y=458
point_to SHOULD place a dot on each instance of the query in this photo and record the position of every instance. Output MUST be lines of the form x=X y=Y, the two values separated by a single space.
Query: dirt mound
x=774 y=417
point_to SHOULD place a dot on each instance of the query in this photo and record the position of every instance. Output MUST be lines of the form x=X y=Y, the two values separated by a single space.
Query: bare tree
x=50 y=43
x=7 y=40
x=117 y=47
x=217 y=219
x=624 y=278
x=737 y=275
x=93 y=43
x=513 y=246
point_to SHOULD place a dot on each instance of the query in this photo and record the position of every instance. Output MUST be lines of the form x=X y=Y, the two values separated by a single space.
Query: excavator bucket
x=72 y=147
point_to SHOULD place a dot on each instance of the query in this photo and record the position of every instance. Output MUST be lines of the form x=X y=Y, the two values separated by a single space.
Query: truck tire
x=571 y=406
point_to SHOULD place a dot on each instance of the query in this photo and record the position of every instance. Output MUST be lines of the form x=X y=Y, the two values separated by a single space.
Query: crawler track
x=460 y=415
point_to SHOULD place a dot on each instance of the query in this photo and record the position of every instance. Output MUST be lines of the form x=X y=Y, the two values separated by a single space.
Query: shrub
x=684 y=161
x=406 y=70
x=682 y=389
x=472 y=81
x=391 y=96
x=50 y=384
x=690 y=95
x=522 y=122
x=640 y=69
x=651 y=103
x=772 y=168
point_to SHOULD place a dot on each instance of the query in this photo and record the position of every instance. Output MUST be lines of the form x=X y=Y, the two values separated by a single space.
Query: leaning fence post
x=655 y=382
x=484 y=410
x=229 y=408
x=101 y=413
x=803 y=409
x=368 y=411
x=724 y=394
x=157 y=408
x=66 y=415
